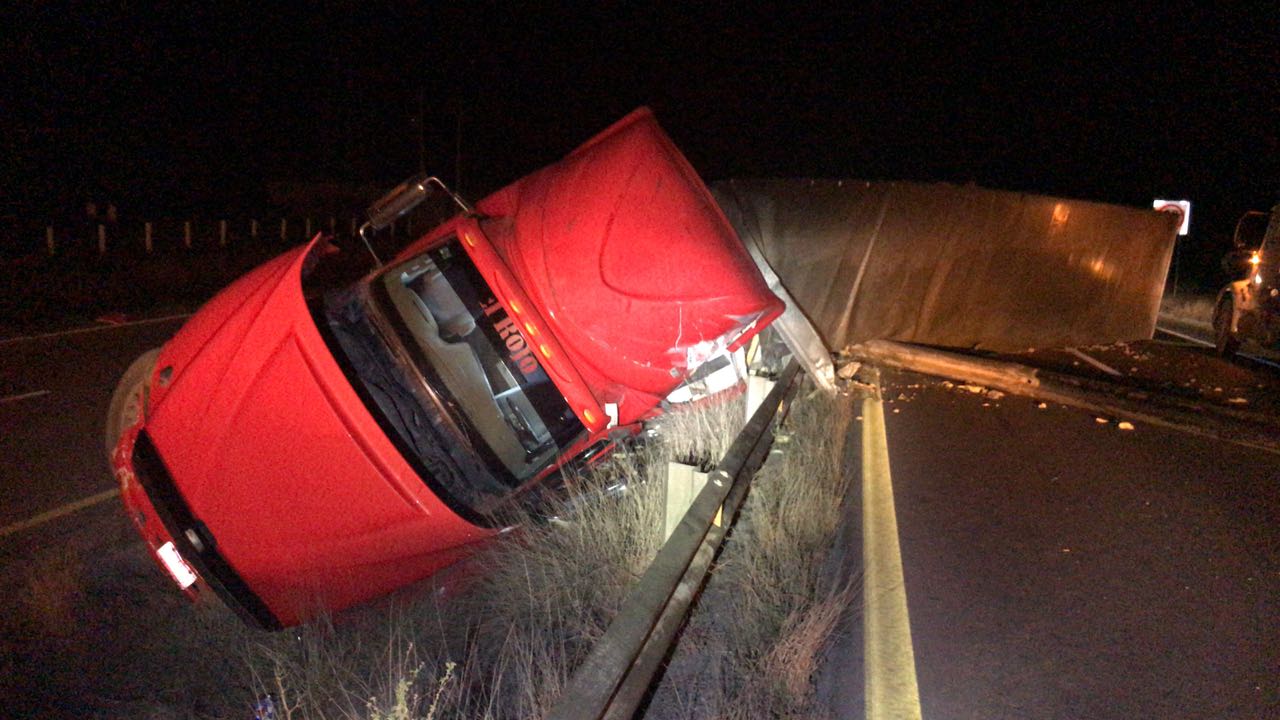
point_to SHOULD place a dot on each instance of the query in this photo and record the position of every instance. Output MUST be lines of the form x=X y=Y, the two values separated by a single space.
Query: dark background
x=198 y=107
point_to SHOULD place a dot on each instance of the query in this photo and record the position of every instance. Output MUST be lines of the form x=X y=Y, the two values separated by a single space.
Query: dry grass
x=701 y=435
x=792 y=661
x=1191 y=309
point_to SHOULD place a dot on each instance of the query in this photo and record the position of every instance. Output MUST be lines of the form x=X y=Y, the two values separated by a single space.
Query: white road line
x=58 y=512
x=24 y=396
x=1181 y=336
x=888 y=656
x=92 y=329
x=1096 y=363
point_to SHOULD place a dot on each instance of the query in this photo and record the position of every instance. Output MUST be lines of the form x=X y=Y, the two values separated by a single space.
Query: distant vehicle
x=297 y=447
x=1248 y=310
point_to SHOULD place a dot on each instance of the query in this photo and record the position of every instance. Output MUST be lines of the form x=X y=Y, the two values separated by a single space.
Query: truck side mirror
x=407 y=196
x=1249 y=229
x=403 y=198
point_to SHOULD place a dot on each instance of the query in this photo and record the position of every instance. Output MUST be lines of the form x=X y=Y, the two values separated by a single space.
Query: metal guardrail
x=613 y=680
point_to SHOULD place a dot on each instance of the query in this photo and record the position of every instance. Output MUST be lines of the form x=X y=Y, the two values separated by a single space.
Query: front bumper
x=162 y=516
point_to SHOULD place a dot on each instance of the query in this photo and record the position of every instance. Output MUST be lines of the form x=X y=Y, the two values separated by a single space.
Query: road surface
x=88 y=625
x=1057 y=565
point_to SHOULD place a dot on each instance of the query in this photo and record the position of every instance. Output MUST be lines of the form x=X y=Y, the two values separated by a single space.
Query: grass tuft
x=1191 y=309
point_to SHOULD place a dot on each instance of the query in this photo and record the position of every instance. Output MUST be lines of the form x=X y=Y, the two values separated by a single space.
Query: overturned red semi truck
x=292 y=451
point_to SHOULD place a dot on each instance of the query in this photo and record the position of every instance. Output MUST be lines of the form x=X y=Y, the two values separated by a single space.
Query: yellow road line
x=889 y=661
x=58 y=512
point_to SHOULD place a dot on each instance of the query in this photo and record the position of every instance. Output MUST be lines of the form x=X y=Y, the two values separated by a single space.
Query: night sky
x=173 y=109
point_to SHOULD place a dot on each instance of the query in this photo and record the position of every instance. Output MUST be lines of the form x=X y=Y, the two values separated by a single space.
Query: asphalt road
x=1057 y=566
x=54 y=391
x=89 y=627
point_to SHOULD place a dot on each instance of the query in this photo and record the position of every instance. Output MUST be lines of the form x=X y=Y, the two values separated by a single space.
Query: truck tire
x=1224 y=341
x=129 y=401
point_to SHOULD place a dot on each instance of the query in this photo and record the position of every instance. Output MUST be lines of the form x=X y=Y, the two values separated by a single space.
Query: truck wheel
x=129 y=401
x=1224 y=341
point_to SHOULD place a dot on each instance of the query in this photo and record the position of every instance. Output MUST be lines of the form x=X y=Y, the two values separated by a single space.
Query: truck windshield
x=458 y=327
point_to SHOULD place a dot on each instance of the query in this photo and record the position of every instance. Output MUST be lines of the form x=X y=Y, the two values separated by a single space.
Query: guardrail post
x=48 y=239
x=684 y=482
x=222 y=233
x=186 y=234
x=102 y=239
x=758 y=389
x=146 y=237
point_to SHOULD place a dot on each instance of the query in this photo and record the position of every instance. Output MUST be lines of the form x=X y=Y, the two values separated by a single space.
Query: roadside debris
x=112 y=318
x=848 y=370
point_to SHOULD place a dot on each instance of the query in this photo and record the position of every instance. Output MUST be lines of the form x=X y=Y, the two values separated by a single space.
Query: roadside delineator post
x=146 y=237
x=48 y=239
x=102 y=239
x=253 y=229
x=186 y=234
x=284 y=229
x=307 y=234
x=222 y=233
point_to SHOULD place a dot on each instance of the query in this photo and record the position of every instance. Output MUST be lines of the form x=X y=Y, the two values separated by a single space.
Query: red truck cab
x=293 y=452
